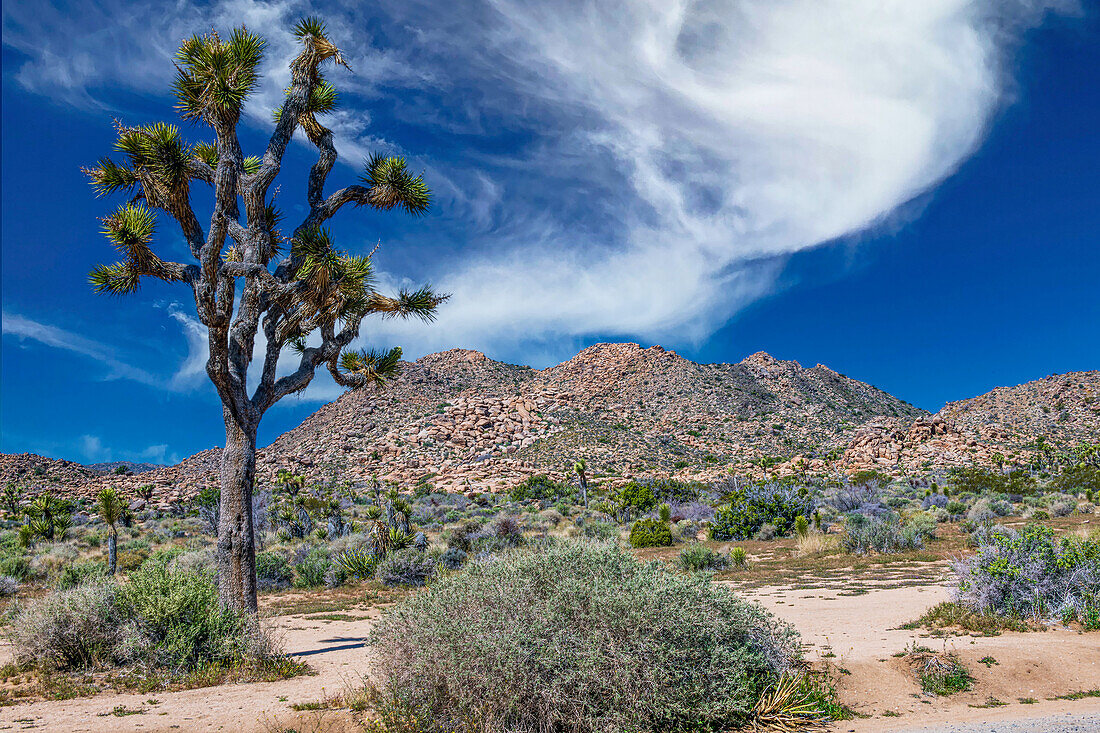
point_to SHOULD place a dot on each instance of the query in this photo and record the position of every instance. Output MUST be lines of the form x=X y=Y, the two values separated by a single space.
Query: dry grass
x=815 y=543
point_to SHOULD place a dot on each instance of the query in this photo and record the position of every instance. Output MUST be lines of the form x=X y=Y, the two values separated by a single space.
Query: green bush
x=182 y=620
x=955 y=508
x=752 y=507
x=273 y=571
x=541 y=488
x=981 y=480
x=409 y=568
x=579 y=637
x=79 y=573
x=697 y=556
x=637 y=496
x=311 y=569
x=650 y=533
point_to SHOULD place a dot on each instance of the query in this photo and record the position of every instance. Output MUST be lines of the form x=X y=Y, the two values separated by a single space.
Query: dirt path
x=860 y=629
x=862 y=632
x=334 y=648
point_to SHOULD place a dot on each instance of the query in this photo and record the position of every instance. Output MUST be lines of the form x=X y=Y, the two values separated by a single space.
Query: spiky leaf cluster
x=390 y=184
x=370 y=366
x=158 y=162
x=215 y=76
x=338 y=285
x=130 y=229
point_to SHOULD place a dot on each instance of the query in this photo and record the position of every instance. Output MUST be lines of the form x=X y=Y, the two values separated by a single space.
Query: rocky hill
x=1062 y=409
x=464 y=422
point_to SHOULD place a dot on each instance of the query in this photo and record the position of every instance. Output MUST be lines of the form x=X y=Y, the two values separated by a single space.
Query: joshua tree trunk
x=236 y=553
x=112 y=550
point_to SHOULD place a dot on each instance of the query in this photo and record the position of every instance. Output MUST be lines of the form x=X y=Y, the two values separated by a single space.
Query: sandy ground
x=860 y=630
x=335 y=649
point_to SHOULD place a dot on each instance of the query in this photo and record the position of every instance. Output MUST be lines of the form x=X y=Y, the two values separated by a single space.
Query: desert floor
x=850 y=621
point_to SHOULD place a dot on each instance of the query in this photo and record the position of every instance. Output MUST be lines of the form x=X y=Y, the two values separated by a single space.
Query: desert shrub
x=15 y=565
x=310 y=566
x=883 y=536
x=182 y=621
x=273 y=571
x=541 y=488
x=130 y=560
x=161 y=617
x=753 y=506
x=766 y=533
x=981 y=513
x=453 y=558
x=738 y=557
x=579 y=637
x=650 y=533
x=1062 y=508
x=408 y=568
x=862 y=499
x=71 y=629
x=596 y=526
x=507 y=531
x=983 y=481
x=672 y=491
x=934 y=500
x=693 y=511
x=1031 y=574
x=51 y=559
x=637 y=496
x=9 y=586
x=924 y=524
x=463 y=535
x=79 y=573
x=698 y=556
x=1077 y=480
x=192 y=560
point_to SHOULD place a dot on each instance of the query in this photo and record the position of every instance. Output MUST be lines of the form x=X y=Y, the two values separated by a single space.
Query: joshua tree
x=304 y=293
x=581 y=468
x=110 y=507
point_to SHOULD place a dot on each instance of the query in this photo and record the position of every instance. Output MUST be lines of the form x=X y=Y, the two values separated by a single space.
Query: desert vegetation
x=158 y=620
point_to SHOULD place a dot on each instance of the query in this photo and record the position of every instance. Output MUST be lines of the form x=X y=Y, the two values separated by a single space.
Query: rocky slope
x=464 y=422
x=1062 y=409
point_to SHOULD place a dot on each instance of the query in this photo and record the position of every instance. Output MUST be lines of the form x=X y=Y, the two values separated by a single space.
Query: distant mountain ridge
x=112 y=467
x=464 y=422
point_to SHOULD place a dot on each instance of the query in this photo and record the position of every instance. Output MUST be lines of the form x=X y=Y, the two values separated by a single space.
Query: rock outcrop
x=463 y=422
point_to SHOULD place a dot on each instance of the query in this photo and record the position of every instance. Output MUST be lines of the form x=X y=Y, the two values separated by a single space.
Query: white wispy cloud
x=93 y=450
x=59 y=338
x=666 y=156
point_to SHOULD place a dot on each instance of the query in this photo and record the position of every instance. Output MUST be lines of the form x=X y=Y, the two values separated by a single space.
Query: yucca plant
x=48 y=517
x=110 y=507
x=358 y=562
x=309 y=296
x=789 y=707
x=399 y=539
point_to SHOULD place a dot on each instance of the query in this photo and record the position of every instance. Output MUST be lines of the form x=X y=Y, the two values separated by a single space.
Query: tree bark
x=236 y=551
x=112 y=550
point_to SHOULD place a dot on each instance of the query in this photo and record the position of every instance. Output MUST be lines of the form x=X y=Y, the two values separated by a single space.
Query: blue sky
x=905 y=192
